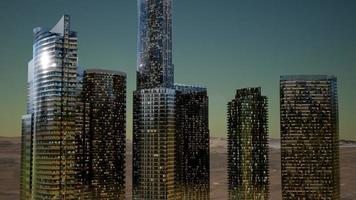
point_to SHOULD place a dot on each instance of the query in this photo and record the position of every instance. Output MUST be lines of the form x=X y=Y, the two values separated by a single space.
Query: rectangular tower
x=192 y=142
x=309 y=137
x=103 y=134
x=248 y=146
x=154 y=144
x=154 y=104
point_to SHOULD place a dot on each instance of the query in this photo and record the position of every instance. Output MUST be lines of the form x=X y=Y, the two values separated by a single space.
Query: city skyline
x=324 y=49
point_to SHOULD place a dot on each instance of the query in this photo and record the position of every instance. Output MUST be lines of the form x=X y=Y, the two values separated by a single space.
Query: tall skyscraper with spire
x=49 y=128
x=155 y=116
x=154 y=104
x=155 y=68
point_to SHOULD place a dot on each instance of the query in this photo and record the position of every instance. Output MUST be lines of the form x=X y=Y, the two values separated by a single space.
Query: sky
x=222 y=44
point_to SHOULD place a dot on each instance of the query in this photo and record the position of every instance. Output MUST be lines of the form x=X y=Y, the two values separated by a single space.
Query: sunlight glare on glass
x=45 y=60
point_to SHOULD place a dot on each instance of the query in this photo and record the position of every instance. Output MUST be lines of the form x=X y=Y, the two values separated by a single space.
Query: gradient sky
x=222 y=44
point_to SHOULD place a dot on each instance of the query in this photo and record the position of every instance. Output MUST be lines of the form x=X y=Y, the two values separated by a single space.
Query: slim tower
x=154 y=104
x=309 y=137
x=192 y=142
x=27 y=139
x=248 y=146
x=103 y=134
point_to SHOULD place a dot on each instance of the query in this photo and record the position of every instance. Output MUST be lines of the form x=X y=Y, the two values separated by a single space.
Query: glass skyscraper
x=155 y=109
x=54 y=109
x=103 y=135
x=192 y=142
x=154 y=144
x=154 y=60
x=309 y=137
x=27 y=138
x=248 y=146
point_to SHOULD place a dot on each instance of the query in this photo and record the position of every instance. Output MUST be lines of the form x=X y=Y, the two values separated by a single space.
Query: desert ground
x=10 y=169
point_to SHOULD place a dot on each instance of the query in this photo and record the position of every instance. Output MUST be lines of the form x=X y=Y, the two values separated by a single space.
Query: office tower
x=155 y=68
x=248 y=145
x=309 y=137
x=192 y=142
x=154 y=144
x=103 y=134
x=27 y=138
x=26 y=157
x=54 y=76
x=154 y=105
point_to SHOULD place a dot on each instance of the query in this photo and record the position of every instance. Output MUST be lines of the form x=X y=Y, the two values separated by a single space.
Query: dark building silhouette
x=192 y=142
x=248 y=146
x=103 y=135
x=309 y=137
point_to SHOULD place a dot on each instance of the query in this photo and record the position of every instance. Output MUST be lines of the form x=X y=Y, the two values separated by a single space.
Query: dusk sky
x=222 y=44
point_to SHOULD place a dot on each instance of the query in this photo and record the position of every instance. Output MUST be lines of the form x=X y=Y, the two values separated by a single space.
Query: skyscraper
x=248 y=146
x=103 y=135
x=154 y=104
x=309 y=137
x=27 y=138
x=192 y=142
x=54 y=77
x=154 y=144
x=155 y=67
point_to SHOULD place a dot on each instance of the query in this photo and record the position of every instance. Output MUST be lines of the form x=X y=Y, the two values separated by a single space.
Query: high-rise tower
x=54 y=111
x=103 y=134
x=154 y=59
x=192 y=142
x=309 y=137
x=248 y=146
x=154 y=104
x=27 y=139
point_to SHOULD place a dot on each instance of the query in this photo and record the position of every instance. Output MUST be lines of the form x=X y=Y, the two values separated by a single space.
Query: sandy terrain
x=10 y=169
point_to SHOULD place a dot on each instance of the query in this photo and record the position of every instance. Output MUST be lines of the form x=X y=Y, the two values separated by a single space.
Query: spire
x=61 y=25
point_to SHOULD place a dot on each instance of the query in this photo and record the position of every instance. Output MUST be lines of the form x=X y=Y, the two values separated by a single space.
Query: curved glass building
x=55 y=82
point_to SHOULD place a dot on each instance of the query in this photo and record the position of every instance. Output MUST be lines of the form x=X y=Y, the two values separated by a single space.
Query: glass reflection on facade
x=248 y=146
x=309 y=137
x=155 y=68
x=103 y=134
x=26 y=157
x=154 y=144
x=192 y=142
x=55 y=71
x=27 y=133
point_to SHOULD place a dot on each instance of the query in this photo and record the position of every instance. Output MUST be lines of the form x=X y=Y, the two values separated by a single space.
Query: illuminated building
x=248 y=146
x=309 y=137
x=54 y=112
x=103 y=134
x=192 y=142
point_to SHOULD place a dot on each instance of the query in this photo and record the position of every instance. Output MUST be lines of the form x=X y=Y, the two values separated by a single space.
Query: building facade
x=248 y=176
x=192 y=142
x=154 y=104
x=154 y=144
x=154 y=59
x=103 y=134
x=309 y=137
x=27 y=134
x=54 y=77
x=26 y=157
